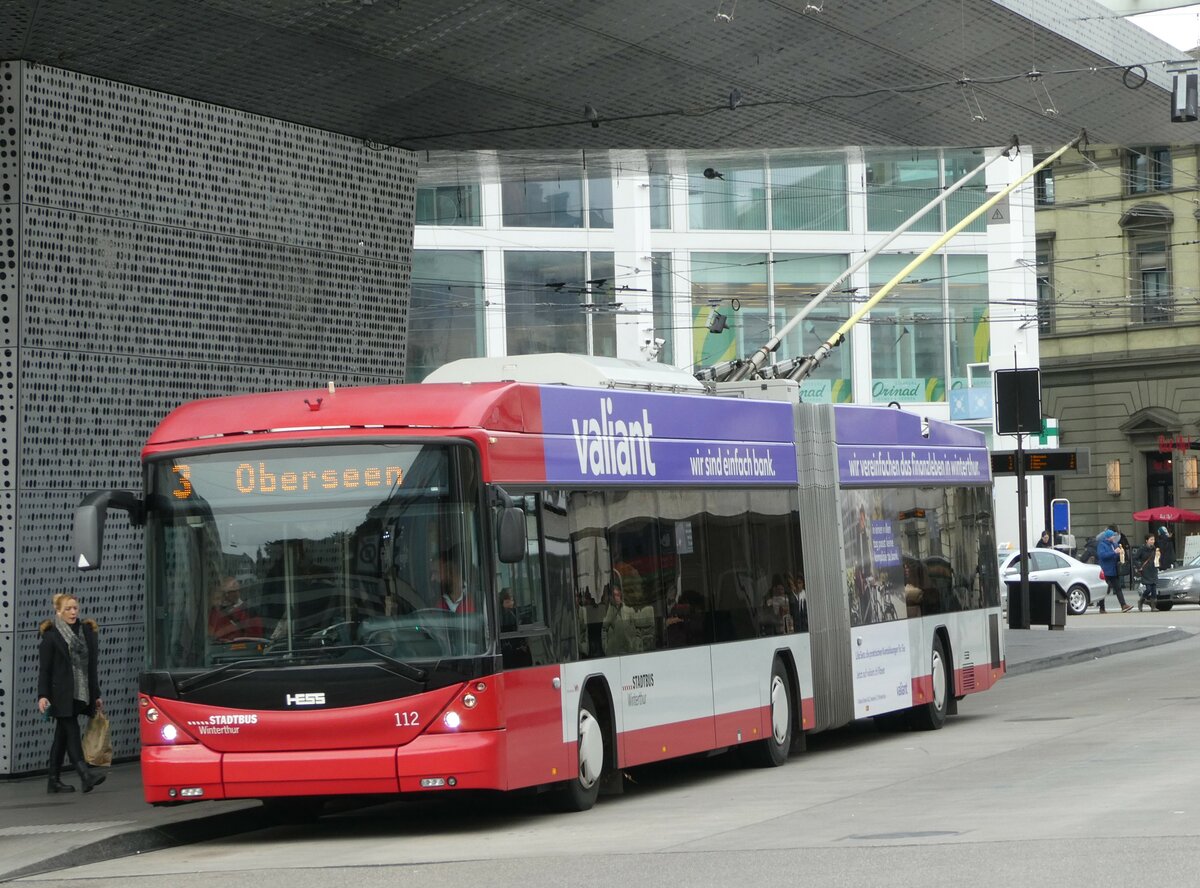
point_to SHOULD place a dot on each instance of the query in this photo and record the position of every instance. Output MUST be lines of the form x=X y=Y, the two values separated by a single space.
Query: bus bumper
x=431 y=762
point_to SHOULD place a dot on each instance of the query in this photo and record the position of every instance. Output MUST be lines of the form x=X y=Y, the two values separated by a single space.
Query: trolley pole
x=810 y=363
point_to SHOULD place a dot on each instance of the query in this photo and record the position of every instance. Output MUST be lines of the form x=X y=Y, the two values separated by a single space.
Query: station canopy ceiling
x=519 y=74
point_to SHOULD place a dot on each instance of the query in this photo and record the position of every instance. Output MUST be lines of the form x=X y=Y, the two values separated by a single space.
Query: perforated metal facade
x=157 y=250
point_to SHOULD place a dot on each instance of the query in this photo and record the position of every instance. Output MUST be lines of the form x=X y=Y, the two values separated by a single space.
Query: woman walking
x=68 y=686
x=1109 y=553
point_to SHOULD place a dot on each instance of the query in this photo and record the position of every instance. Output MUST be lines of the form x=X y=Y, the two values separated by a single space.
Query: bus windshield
x=343 y=551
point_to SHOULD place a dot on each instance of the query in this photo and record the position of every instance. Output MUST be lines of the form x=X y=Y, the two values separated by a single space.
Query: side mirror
x=88 y=532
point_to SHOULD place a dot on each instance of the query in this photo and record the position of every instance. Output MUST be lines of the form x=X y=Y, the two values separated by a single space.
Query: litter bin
x=1047 y=604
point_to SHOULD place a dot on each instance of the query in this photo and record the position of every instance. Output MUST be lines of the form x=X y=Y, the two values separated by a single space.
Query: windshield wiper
x=195 y=681
x=399 y=667
x=407 y=670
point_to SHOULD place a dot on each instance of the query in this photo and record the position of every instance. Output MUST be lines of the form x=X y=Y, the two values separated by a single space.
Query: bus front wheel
x=581 y=791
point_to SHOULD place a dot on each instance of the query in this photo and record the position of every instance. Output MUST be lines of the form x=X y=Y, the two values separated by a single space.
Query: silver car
x=1083 y=582
x=1180 y=585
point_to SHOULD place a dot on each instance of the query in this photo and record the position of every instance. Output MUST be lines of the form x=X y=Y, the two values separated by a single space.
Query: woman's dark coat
x=55 y=681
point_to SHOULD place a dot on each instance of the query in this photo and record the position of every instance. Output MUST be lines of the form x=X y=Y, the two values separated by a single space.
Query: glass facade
x=545 y=202
x=557 y=303
x=898 y=184
x=727 y=195
x=908 y=333
x=663 y=297
x=445 y=316
x=729 y=305
x=710 y=306
x=967 y=311
x=543 y=294
x=971 y=196
x=808 y=193
x=798 y=278
x=456 y=204
x=660 y=197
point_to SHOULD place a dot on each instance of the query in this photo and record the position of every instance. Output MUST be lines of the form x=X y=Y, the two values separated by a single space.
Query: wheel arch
x=597 y=688
x=956 y=693
x=788 y=659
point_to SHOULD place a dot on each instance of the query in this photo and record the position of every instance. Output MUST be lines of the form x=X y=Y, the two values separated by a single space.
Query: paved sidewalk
x=41 y=832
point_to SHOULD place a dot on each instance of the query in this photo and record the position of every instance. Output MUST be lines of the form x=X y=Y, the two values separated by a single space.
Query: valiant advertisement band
x=620 y=436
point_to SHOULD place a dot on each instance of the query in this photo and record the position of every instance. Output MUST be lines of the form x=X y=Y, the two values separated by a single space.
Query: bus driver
x=445 y=579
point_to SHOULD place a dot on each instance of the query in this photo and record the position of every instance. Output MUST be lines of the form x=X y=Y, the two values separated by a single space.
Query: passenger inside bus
x=777 y=617
x=618 y=633
x=228 y=616
x=685 y=621
x=798 y=599
x=509 y=621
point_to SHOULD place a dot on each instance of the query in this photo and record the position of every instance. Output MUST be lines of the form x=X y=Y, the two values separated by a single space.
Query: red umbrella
x=1165 y=514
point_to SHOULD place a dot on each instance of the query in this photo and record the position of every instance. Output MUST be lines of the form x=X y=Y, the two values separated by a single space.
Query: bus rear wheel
x=772 y=751
x=580 y=793
x=932 y=715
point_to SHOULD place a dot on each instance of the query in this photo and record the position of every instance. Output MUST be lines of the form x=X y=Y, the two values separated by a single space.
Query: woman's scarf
x=77 y=648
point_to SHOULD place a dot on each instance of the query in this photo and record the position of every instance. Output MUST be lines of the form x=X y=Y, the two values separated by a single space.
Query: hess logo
x=310 y=699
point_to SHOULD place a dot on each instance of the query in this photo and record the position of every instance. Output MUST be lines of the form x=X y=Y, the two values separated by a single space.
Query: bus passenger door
x=532 y=676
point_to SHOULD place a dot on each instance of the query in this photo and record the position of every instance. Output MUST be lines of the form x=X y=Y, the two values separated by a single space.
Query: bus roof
x=499 y=406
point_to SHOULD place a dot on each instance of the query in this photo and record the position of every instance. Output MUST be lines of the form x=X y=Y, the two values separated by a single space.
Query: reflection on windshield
x=274 y=552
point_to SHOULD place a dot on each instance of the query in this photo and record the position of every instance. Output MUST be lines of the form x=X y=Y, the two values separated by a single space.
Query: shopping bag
x=97 y=745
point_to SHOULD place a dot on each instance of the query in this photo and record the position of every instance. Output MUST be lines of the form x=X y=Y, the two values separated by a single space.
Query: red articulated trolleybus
x=536 y=572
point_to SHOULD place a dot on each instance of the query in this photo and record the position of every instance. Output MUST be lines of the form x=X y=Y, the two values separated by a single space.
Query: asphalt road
x=1076 y=776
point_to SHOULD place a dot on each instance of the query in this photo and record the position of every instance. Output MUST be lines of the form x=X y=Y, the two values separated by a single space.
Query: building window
x=1045 y=284
x=970 y=324
x=898 y=184
x=602 y=304
x=600 y=200
x=448 y=204
x=560 y=302
x=660 y=196
x=541 y=198
x=543 y=293
x=955 y=166
x=1147 y=169
x=734 y=286
x=908 y=333
x=1152 y=283
x=1043 y=187
x=662 y=296
x=731 y=198
x=808 y=193
x=445 y=316
x=798 y=277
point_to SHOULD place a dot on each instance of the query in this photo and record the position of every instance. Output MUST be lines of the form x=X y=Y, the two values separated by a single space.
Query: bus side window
x=521 y=603
x=736 y=612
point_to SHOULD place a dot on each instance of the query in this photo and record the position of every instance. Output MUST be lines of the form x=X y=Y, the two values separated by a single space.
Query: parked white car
x=1082 y=582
